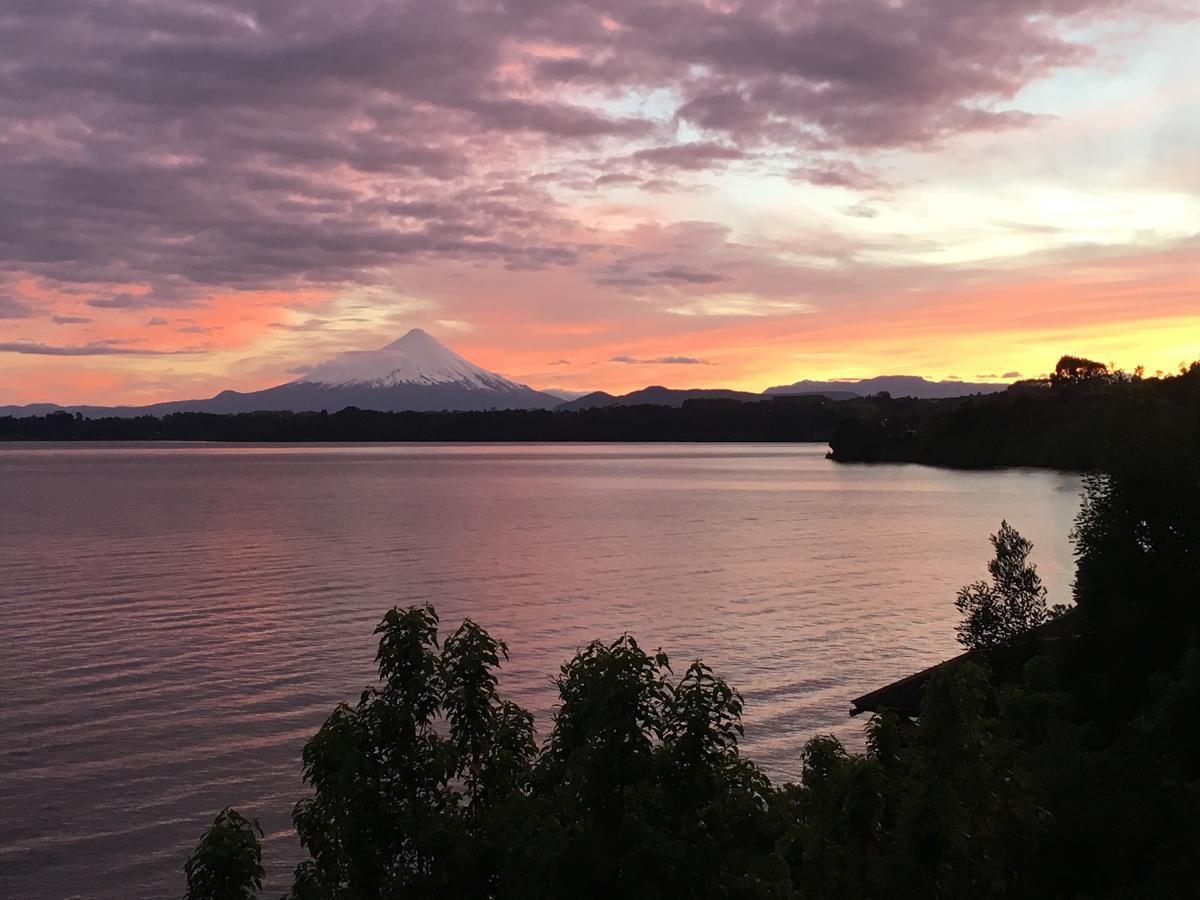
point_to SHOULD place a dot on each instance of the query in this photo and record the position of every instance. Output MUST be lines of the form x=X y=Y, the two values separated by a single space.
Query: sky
x=206 y=194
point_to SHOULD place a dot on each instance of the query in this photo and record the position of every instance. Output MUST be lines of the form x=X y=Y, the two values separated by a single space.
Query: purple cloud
x=12 y=308
x=690 y=276
x=698 y=155
x=187 y=149
x=96 y=348
x=837 y=173
x=661 y=361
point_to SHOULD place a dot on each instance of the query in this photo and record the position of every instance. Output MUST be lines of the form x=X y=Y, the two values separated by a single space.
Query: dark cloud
x=1011 y=375
x=689 y=156
x=560 y=362
x=69 y=320
x=838 y=173
x=681 y=259
x=682 y=273
x=12 y=308
x=119 y=301
x=173 y=150
x=661 y=361
x=96 y=348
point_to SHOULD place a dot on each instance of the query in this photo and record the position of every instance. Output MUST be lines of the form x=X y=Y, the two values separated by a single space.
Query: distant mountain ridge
x=896 y=385
x=413 y=373
x=656 y=395
x=417 y=373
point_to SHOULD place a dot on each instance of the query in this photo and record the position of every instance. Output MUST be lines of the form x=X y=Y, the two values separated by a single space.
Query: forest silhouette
x=1067 y=421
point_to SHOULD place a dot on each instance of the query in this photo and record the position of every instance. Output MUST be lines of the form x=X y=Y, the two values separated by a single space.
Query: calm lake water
x=178 y=619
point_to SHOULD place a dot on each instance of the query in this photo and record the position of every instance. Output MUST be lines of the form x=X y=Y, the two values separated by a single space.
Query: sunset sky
x=207 y=194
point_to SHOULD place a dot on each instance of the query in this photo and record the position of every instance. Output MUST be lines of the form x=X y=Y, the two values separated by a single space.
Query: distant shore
x=1064 y=425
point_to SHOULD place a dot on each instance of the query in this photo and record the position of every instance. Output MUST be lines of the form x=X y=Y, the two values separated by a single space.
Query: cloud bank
x=550 y=164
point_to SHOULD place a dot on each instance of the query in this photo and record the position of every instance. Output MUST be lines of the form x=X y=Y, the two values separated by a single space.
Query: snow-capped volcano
x=414 y=373
x=415 y=359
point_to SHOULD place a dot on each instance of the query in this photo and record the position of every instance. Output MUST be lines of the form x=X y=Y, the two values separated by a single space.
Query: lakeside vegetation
x=1070 y=421
x=1031 y=771
x=779 y=419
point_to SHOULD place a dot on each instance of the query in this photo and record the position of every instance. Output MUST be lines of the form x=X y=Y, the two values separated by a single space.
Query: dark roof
x=904 y=696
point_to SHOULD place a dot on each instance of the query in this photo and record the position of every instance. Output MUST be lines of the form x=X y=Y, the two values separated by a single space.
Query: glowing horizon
x=210 y=198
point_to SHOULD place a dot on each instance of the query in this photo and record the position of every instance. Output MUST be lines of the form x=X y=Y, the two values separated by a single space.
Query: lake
x=178 y=619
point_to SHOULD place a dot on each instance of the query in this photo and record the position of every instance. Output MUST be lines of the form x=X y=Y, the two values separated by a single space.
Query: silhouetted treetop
x=1001 y=612
x=1070 y=370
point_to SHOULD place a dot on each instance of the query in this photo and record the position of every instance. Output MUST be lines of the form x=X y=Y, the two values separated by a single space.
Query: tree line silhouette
x=1064 y=422
x=776 y=419
x=1068 y=421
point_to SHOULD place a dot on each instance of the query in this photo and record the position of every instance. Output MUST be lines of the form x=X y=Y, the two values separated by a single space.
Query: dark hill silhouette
x=656 y=395
x=896 y=385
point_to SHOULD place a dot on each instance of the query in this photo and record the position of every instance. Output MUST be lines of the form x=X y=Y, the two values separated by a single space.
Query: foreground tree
x=1000 y=613
x=227 y=863
x=398 y=800
x=432 y=785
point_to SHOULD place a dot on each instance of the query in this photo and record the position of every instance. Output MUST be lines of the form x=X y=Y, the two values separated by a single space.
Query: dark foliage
x=227 y=863
x=776 y=419
x=1002 y=612
x=1072 y=371
x=1075 y=422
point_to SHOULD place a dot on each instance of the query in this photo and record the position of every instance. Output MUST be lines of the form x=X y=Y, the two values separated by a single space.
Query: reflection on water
x=178 y=619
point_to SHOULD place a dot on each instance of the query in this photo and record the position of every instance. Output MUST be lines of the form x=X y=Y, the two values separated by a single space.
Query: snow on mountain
x=414 y=373
x=416 y=359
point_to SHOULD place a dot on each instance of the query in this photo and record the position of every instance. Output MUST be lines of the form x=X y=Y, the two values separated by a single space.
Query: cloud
x=1011 y=375
x=12 y=308
x=560 y=362
x=661 y=361
x=838 y=173
x=69 y=320
x=295 y=145
x=312 y=324
x=97 y=348
x=535 y=168
x=123 y=301
x=694 y=156
x=682 y=273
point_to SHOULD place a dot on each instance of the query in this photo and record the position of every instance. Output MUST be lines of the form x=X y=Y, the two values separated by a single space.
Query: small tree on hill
x=999 y=613
x=1071 y=370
